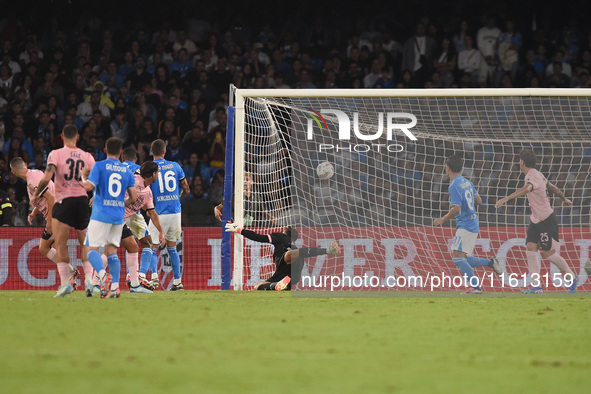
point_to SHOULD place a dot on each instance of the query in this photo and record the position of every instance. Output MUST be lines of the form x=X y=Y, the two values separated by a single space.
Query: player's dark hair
x=148 y=169
x=158 y=147
x=529 y=158
x=70 y=131
x=129 y=154
x=292 y=233
x=113 y=146
x=455 y=163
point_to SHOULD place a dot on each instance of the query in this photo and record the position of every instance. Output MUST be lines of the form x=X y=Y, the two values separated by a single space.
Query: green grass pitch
x=234 y=342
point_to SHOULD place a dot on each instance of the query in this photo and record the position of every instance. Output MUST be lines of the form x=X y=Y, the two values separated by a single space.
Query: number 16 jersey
x=69 y=164
x=166 y=189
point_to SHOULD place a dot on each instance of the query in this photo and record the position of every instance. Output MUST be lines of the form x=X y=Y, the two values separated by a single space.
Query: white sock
x=176 y=281
x=135 y=283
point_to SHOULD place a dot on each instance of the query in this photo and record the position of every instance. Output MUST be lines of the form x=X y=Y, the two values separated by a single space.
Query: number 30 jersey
x=166 y=189
x=461 y=193
x=111 y=179
x=69 y=164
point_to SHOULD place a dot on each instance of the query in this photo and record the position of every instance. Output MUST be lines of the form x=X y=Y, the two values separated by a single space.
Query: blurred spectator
x=509 y=45
x=469 y=61
x=566 y=68
x=175 y=152
x=198 y=211
x=417 y=55
x=486 y=39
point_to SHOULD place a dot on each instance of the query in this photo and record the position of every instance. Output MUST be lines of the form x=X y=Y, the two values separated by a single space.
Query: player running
x=168 y=207
x=44 y=206
x=463 y=200
x=71 y=207
x=109 y=179
x=542 y=232
x=289 y=260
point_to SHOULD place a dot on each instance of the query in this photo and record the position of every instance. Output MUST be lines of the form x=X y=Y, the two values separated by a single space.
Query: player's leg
x=173 y=235
x=115 y=271
x=96 y=237
x=82 y=220
x=60 y=234
x=462 y=246
x=46 y=246
x=112 y=242
x=280 y=280
x=137 y=284
x=146 y=258
x=531 y=253
x=306 y=252
x=154 y=236
x=549 y=247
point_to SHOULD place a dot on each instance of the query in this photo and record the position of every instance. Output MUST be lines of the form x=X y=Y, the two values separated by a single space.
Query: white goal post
x=388 y=148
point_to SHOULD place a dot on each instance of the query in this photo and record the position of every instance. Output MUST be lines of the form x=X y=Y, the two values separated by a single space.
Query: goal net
x=388 y=150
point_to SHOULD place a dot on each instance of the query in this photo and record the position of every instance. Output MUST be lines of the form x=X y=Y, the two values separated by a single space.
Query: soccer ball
x=325 y=170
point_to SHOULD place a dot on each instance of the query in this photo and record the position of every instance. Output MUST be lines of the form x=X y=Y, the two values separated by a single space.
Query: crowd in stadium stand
x=146 y=78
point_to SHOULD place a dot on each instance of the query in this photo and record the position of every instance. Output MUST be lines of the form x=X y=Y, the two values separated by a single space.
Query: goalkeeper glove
x=232 y=228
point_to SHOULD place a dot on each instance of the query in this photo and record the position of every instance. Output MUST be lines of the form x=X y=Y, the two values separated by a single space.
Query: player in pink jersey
x=71 y=207
x=135 y=227
x=43 y=205
x=542 y=232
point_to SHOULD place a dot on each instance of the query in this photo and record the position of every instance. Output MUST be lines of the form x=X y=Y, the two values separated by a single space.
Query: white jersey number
x=169 y=181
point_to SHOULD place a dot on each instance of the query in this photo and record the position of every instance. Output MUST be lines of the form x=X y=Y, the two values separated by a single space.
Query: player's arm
x=453 y=211
x=47 y=175
x=185 y=192
x=86 y=184
x=131 y=196
x=218 y=210
x=519 y=193
x=156 y=220
x=50 y=203
x=555 y=190
x=477 y=199
x=33 y=214
x=233 y=228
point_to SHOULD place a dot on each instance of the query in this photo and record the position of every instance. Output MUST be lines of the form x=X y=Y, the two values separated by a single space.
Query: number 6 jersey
x=111 y=179
x=69 y=164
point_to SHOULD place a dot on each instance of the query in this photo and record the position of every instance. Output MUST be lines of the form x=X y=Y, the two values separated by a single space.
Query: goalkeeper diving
x=289 y=260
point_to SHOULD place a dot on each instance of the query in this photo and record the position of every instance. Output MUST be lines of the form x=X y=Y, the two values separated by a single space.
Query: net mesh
x=385 y=193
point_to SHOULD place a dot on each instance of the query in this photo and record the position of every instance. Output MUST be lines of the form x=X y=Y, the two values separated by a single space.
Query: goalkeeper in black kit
x=289 y=260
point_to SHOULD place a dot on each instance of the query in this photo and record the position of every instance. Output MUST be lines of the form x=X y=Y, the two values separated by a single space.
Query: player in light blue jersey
x=109 y=179
x=129 y=157
x=167 y=201
x=464 y=200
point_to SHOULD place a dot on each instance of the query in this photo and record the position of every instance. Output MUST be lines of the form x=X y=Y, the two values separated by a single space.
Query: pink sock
x=64 y=271
x=132 y=266
x=89 y=273
x=533 y=265
x=52 y=255
x=561 y=263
